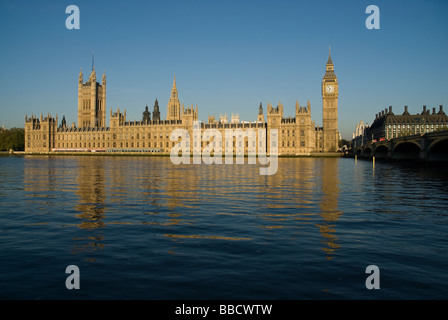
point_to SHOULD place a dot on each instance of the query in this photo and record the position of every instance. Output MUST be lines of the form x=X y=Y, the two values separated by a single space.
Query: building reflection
x=293 y=197
x=91 y=193
x=152 y=191
x=329 y=205
x=91 y=203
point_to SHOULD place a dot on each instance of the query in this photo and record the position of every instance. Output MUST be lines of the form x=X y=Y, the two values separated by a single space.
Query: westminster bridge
x=431 y=147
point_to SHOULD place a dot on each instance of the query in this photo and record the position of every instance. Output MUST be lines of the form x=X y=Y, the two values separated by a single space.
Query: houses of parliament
x=297 y=135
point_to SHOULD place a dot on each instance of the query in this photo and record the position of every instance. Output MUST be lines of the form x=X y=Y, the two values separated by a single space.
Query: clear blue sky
x=228 y=56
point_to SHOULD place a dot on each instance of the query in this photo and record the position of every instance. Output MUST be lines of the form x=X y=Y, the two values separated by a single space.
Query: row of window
x=302 y=144
x=302 y=133
x=412 y=126
x=113 y=144
x=159 y=144
x=86 y=104
x=144 y=145
x=395 y=131
x=114 y=136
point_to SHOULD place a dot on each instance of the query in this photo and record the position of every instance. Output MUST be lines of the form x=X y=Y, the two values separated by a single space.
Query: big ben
x=330 y=93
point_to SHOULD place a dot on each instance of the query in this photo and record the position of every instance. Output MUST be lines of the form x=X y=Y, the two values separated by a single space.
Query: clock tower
x=330 y=93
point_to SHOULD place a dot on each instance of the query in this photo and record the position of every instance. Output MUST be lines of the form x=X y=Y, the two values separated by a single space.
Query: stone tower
x=91 y=101
x=260 y=117
x=330 y=92
x=146 y=115
x=173 y=112
x=156 y=112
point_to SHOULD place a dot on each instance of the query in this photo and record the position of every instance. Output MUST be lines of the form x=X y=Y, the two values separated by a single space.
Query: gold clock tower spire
x=330 y=93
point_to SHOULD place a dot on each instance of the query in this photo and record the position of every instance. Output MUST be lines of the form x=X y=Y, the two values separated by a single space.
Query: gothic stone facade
x=297 y=135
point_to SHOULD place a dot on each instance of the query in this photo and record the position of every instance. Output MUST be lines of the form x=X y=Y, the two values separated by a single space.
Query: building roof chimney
x=390 y=110
x=405 y=113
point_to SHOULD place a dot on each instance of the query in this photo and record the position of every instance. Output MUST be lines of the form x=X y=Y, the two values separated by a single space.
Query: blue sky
x=228 y=56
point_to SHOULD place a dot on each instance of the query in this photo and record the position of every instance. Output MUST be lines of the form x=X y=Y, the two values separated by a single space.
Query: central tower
x=173 y=112
x=91 y=101
x=330 y=93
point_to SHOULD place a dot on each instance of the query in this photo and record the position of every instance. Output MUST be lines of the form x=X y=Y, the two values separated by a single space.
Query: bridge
x=430 y=147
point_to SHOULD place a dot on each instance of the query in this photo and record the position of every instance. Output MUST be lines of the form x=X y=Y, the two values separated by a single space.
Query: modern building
x=297 y=135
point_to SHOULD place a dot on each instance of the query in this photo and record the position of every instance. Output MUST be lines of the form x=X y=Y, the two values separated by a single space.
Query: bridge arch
x=381 y=151
x=406 y=150
x=438 y=150
x=367 y=152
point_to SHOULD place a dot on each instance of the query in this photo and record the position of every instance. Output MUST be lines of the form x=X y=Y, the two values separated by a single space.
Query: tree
x=13 y=138
x=344 y=142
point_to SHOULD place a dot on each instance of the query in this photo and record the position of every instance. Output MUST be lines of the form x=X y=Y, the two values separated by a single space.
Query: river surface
x=144 y=228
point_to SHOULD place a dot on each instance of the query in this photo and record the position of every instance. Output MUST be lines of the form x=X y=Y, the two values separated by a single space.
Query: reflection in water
x=153 y=192
x=329 y=204
x=91 y=192
x=221 y=231
x=91 y=203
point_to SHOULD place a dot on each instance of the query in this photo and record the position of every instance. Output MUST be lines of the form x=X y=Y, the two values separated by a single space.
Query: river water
x=144 y=228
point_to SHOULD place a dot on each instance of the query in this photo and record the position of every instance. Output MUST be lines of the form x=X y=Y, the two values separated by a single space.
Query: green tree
x=344 y=142
x=13 y=138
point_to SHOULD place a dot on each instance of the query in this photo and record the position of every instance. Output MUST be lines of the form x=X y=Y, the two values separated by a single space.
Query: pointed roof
x=329 y=72
x=174 y=82
x=329 y=56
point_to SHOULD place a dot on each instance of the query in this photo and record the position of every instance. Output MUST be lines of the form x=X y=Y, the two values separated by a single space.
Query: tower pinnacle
x=329 y=56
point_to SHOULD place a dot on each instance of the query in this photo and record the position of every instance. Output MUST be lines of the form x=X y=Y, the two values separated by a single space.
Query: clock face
x=329 y=88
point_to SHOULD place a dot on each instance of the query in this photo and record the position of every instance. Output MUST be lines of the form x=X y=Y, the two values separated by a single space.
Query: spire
x=329 y=56
x=329 y=72
x=173 y=91
x=93 y=61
